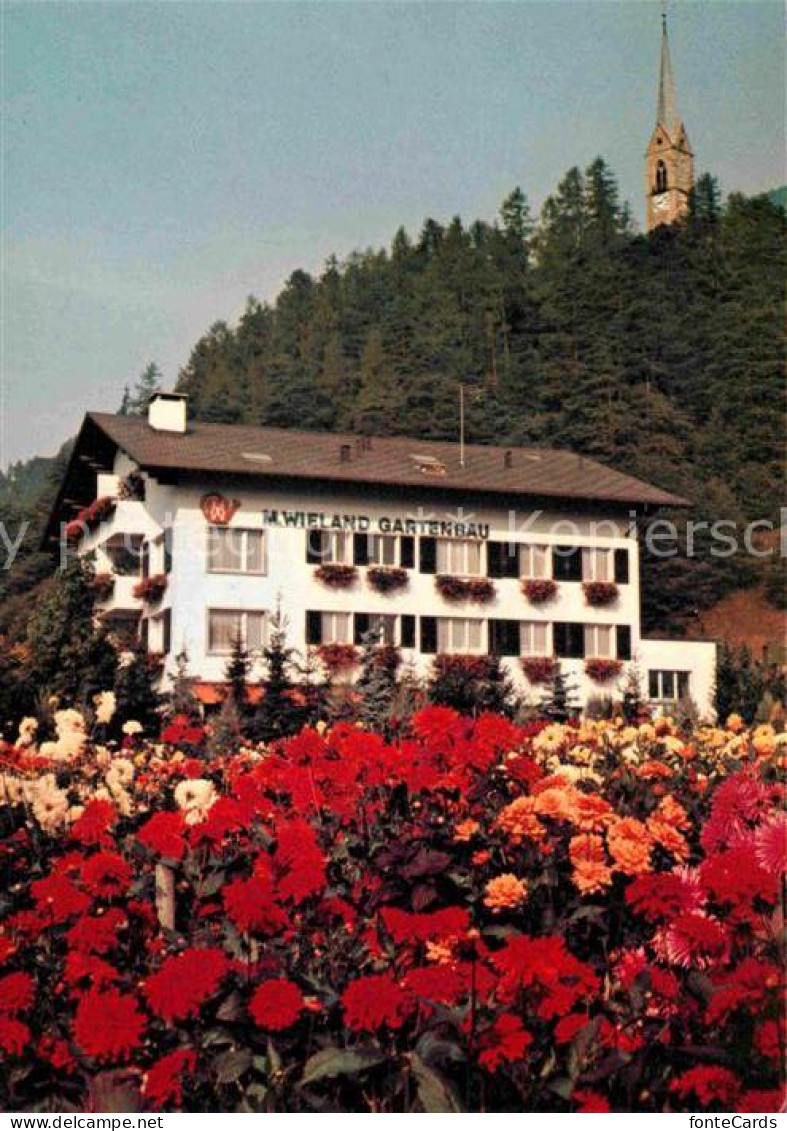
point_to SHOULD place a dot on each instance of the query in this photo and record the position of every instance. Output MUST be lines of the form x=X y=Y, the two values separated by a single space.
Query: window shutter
x=166 y=632
x=504 y=637
x=313 y=628
x=316 y=546
x=361 y=622
x=361 y=549
x=407 y=552
x=429 y=635
x=622 y=566
x=494 y=559
x=428 y=555
x=407 y=631
x=569 y=640
x=566 y=563
x=624 y=642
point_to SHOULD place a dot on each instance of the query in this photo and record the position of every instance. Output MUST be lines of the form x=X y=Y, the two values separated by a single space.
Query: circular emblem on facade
x=218 y=509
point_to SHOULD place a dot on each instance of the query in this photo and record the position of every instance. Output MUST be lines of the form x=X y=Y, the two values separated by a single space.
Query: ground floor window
x=225 y=626
x=459 y=634
x=599 y=641
x=668 y=685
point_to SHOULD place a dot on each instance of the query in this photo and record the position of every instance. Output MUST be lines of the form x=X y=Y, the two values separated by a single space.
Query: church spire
x=667 y=114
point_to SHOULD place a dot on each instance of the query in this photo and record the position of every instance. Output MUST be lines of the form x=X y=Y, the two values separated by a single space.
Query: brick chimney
x=167 y=412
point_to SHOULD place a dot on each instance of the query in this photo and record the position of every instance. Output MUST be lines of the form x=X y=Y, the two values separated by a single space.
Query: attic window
x=257 y=457
x=428 y=465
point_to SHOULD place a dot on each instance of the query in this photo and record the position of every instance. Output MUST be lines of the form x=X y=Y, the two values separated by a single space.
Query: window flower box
x=387 y=579
x=539 y=669
x=338 y=657
x=539 y=590
x=336 y=576
x=603 y=671
x=600 y=593
x=479 y=590
x=103 y=586
x=151 y=589
x=88 y=518
x=468 y=666
x=132 y=487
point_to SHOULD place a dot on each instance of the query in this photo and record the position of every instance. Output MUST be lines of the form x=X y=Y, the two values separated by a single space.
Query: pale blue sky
x=164 y=160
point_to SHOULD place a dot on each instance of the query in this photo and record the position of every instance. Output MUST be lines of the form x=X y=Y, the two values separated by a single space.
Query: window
x=459 y=634
x=459 y=557
x=144 y=560
x=569 y=640
x=326 y=547
x=225 y=626
x=596 y=564
x=533 y=638
x=383 y=625
x=335 y=628
x=669 y=686
x=622 y=566
x=598 y=641
x=534 y=562
x=382 y=550
x=235 y=550
x=623 y=633
x=661 y=177
x=502 y=559
x=566 y=563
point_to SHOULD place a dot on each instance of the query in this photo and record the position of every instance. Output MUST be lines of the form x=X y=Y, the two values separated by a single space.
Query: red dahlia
x=163 y=1081
x=276 y=1004
x=251 y=906
x=105 y=874
x=108 y=1026
x=14 y=1036
x=163 y=834
x=373 y=1002
x=185 y=982
x=94 y=824
x=710 y=1084
x=16 y=993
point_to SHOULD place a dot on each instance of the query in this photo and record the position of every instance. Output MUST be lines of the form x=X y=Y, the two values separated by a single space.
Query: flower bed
x=603 y=671
x=387 y=579
x=540 y=669
x=103 y=586
x=600 y=593
x=539 y=591
x=336 y=576
x=480 y=917
x=338 y=657
x=479 y=590
x=151 y=589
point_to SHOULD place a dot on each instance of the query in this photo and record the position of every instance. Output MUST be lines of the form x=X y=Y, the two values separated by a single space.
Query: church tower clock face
x=669 y=162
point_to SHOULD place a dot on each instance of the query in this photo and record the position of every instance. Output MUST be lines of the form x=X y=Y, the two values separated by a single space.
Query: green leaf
x=231 y=1009
x=211 y=884
x=434 y=1093
x=328 y=1063
x=230 y=1066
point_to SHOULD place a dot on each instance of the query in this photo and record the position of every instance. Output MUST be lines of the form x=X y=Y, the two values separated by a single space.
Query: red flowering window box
x=539 y=590
x=151 y=589
x=479 y=590
x=338 y=657
x=103 y=585
x=88 y=518
x=600 y=593
x=387 y=579
x=472 y=667
x=539 y=669
x=336 y=576
x=603 y=671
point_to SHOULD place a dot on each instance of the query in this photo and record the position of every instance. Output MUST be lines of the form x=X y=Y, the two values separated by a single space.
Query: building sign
x=218 y=509
x=320 y=520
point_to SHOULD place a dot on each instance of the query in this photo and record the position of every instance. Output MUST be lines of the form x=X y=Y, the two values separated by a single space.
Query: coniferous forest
x=662 y=355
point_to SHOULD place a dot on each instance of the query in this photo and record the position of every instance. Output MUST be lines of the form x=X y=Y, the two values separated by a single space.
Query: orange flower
x=519 y=821
x=591 y=812
x=673 y=813
x=556 y=803
x=505 y=892
x=591 y=872
x=483 y=856
x=669 y=838
x=466 y=830
x=630 y=845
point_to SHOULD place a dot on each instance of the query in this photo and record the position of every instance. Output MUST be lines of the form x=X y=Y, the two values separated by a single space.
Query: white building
x=530 y=553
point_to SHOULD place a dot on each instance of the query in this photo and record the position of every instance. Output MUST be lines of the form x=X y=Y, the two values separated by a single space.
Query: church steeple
x=669 y=162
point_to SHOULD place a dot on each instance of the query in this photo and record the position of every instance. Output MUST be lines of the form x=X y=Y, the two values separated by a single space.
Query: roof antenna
x=664 y=16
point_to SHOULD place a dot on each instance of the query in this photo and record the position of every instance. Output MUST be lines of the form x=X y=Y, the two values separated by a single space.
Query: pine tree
x=135 y=692
x=376 y=682
x=236 y=673
x=149 y=383
x=181 y=700
x=282 y=709
x=634 y=706
x=560 y=702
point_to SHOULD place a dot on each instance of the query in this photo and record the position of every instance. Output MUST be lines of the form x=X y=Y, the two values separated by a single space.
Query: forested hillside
x=661 y=354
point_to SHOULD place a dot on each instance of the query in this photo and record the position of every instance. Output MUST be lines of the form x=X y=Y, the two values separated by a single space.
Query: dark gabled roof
x=217 y=450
